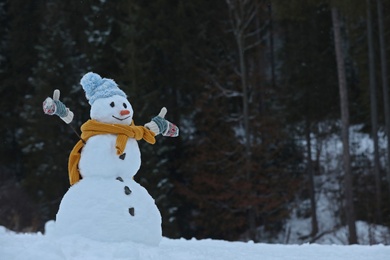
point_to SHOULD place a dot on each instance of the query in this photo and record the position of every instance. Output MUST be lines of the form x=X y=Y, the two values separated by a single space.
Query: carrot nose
x=124 y=112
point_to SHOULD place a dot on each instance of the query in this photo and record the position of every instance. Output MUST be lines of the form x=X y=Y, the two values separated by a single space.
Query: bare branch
x=237 y=71
x=252 y=45
x=255 y=32
x=227 y=92
x=252 y=14
x=224 y=91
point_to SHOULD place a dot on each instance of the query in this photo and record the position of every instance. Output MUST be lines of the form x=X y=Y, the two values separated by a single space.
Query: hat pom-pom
x=89 y=82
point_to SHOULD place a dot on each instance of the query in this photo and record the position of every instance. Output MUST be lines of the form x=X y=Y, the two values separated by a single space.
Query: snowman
x=104 y=202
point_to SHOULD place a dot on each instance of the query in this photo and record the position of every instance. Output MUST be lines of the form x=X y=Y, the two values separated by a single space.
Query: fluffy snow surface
x=45 y=247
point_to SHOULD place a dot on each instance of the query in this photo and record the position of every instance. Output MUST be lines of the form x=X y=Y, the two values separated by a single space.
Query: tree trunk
x=385 y=85
x=240 y=20
x=313 y=206
x=349 y=208
x=271 y=43
x=374 y=115
x=245 y=102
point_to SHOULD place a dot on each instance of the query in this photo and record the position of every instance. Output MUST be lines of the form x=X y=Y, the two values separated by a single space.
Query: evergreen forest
x=257 y=87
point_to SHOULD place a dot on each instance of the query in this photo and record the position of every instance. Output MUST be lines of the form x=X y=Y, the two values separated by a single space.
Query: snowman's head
x=108 y=102
x=112 y=110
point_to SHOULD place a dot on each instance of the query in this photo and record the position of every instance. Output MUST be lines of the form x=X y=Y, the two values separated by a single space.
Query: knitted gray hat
x=96 y=87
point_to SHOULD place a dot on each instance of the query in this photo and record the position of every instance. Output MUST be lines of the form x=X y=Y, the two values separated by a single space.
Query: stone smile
x=121 y=119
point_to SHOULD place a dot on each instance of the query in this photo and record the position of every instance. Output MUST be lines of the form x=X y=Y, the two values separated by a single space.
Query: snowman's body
x=107 y=204
x=99 y=158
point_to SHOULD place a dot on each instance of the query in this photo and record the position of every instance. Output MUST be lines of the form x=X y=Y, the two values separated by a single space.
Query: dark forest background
x=251 y=84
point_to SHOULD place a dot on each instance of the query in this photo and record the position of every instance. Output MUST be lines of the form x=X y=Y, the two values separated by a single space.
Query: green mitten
x=53 y=106
x=159 y=125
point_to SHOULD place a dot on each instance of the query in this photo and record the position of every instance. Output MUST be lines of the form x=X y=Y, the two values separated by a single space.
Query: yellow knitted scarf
x=92 y=128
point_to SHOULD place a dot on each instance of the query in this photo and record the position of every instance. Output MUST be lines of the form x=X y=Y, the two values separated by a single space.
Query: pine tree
x=307 y=78
x=220 y=158
x=16 y=59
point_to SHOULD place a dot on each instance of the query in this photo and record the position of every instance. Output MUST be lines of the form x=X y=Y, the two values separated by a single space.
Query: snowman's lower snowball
x=99 y=209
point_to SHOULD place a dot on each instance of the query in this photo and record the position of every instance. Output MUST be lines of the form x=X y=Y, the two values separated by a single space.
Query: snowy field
x=41 y=247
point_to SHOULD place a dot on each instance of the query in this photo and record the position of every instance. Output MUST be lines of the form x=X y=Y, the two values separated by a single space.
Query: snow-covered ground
x=42 y=247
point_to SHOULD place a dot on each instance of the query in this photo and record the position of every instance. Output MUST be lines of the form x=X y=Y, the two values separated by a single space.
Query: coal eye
x=124 y=105
x=112 y=104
